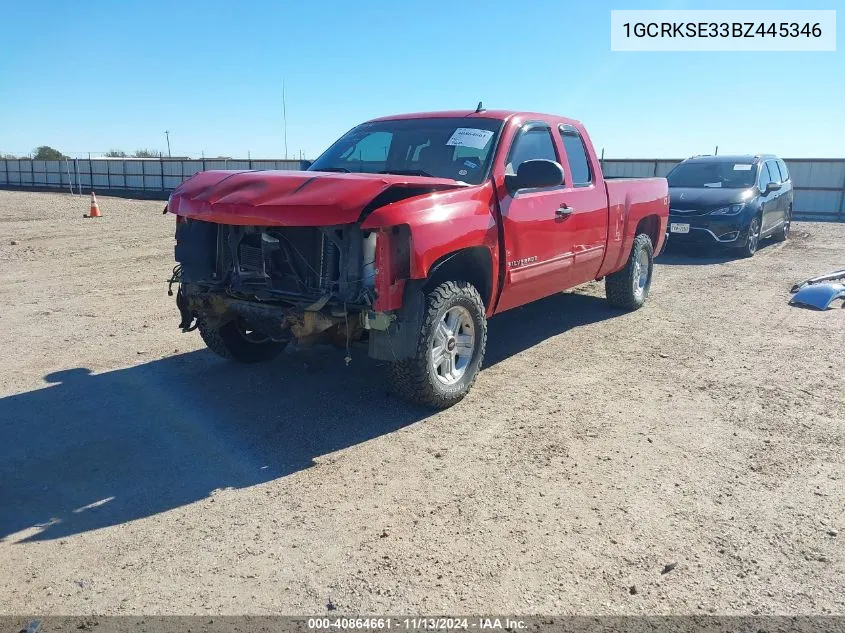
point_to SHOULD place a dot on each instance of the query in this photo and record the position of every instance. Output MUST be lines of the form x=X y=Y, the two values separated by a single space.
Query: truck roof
x=484 y=114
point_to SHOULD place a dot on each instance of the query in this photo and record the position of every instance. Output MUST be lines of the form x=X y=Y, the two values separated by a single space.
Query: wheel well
x=650 y=225
x=473 y=265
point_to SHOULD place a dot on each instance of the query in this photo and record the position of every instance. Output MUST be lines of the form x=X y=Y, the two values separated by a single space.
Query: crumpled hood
x=290 y=198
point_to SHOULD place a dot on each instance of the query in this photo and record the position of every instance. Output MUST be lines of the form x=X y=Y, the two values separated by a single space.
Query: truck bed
x=629 y=201
x=617 y=178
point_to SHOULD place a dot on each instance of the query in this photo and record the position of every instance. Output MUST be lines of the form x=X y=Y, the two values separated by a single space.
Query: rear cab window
x=576 y=154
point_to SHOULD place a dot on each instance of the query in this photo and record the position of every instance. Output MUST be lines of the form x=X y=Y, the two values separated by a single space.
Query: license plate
x=679 y=228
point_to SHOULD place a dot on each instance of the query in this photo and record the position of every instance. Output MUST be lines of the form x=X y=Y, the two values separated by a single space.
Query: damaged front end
x=283 y=255
x=307 y=283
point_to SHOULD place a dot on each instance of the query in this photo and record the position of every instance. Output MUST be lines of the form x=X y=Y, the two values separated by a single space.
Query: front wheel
x=628 y=288
x=752 y=238
x=450 y=348
x=235 y=340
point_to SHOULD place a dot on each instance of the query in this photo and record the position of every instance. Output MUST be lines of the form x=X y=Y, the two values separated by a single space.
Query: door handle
x=564 y=211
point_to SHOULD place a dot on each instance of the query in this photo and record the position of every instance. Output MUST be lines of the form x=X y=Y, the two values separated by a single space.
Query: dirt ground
x=140 y=474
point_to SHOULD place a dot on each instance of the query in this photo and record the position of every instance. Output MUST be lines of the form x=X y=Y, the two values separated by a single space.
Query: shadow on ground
x=703 y=256
x=91 y=451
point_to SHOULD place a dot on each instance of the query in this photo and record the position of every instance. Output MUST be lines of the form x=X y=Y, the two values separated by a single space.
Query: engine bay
x=299 y=265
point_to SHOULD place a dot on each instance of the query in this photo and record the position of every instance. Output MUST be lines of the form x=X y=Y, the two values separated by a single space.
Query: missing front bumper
x=278 y=322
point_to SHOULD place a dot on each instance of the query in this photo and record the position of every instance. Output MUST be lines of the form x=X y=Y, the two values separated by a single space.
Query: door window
x=764 y=177
x=773 y=170
x=784 y=172
x=531 y=144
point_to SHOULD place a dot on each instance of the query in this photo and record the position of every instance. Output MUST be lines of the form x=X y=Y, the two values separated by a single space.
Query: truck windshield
x=456 y=148
x=700 y=175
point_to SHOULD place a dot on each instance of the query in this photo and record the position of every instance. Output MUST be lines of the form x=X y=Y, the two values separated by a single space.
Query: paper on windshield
x=470 y=137
x=742 y=167
x=712 y=184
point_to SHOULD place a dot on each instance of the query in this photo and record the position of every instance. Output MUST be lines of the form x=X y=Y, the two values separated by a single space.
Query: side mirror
x=772 y=186
x=535 y=173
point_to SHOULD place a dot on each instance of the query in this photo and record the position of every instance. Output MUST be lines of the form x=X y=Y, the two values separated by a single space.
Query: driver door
x=538 y=244
x=768 y=201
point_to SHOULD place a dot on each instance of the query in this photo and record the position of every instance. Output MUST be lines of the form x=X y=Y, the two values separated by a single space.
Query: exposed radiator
x=329 y=272
x=251 y=258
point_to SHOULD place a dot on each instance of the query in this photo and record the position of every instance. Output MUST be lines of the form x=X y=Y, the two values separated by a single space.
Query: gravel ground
x=686 y=458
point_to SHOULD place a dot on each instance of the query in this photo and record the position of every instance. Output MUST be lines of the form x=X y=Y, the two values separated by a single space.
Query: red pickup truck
x=410 y=232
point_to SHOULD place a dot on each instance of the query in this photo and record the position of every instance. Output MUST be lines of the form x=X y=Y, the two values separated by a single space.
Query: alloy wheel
x=452 y=345
x=753 y=236
x=642 y=273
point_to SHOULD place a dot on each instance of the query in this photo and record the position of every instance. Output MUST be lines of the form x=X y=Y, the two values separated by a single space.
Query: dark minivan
x=729 y=201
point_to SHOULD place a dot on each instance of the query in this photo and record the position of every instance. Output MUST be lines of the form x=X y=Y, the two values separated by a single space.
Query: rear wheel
x=752 y=238
x=450 y=348
x=628 y=288
x=782 y=233
x=235 y=340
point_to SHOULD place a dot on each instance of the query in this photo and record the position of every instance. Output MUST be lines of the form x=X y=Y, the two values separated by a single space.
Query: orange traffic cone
x=95 y=209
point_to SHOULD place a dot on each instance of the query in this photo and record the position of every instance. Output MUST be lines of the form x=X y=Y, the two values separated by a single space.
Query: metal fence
x=149 y=176
x=819 y=183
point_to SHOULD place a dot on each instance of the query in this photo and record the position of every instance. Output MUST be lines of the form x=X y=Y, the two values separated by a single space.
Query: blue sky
x=97 y=75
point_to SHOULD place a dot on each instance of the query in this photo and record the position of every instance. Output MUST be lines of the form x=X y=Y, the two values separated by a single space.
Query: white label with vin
x=470 y=137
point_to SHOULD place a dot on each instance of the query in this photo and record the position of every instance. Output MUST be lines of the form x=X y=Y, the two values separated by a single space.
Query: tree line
x=45 y=152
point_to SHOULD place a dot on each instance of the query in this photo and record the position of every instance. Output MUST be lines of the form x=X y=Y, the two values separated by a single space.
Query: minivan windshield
x=706 y=174
x=456 y=148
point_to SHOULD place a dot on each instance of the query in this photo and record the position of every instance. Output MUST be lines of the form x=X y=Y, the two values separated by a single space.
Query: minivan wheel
x=235 y=340
x=628 y=288
x=450 y=348
x=752 y=238
x=782 y=233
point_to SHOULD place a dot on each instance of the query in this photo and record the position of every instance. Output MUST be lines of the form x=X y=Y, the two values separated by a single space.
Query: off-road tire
x=749 y=247
x=782 y=233
x=413 y=378
x=226 y=341
x=622 y=287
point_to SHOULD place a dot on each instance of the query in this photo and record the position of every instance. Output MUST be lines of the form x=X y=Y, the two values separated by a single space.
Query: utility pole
x=167 y=134
x=285 y=118
x=716 y=153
